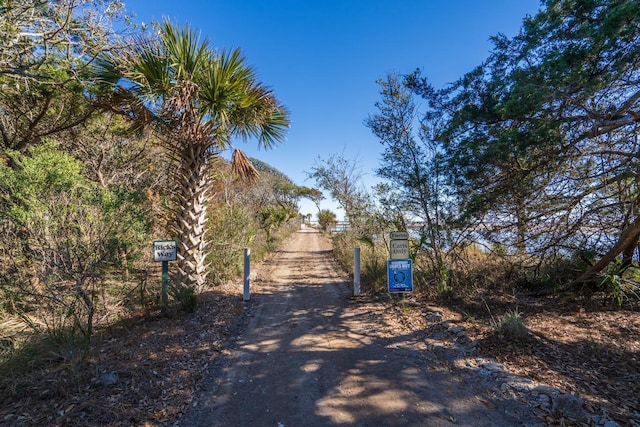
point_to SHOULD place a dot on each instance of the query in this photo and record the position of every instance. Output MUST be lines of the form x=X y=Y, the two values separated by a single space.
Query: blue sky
x=322 y=59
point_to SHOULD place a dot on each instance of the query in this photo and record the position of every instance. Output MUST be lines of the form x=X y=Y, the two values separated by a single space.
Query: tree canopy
x=542 y=137
x=538 y=144
x=46 y=49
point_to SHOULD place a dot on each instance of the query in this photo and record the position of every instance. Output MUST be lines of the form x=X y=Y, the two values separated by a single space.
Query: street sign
x=165 y=250
x=399 y=249
x=399 y=246
x=399 y=235
x=400 y=275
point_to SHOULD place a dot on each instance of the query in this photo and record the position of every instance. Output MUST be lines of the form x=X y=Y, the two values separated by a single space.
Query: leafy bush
x=619 y=284
x=511 y=325
x=231 y=229
x=326 y=219
x=61 y=233
x=271 y=218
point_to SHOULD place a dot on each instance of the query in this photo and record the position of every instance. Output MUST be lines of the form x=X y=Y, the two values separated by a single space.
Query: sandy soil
x=309 y=354
x=304 y=352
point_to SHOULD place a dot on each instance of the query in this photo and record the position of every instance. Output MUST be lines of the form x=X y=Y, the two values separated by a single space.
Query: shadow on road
x=308 y=354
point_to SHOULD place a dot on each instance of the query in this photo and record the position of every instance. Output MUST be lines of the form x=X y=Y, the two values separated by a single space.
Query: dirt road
x=307 y=354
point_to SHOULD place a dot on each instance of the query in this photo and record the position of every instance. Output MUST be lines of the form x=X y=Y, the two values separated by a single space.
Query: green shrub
x=62 y=233
x=512 y=325
x=185 y=296
x=326 y=219
x=619 y=286
x=231 y=229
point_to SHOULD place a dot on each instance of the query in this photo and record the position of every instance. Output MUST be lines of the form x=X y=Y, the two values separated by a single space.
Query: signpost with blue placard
x=400 y=275
x=399 y=267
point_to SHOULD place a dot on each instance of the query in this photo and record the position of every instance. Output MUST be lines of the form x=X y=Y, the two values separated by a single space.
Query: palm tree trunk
x=191 y=216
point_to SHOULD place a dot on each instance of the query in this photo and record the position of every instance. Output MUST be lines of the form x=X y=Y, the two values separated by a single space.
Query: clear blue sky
x=322 y=59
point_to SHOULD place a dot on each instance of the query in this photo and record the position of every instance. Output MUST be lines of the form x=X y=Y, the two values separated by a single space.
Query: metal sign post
x=165 y=251
x=400 y=266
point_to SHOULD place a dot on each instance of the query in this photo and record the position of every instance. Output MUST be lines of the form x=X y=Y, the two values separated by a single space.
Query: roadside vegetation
x=520 y=174
x=518 y=184
x=94 y=168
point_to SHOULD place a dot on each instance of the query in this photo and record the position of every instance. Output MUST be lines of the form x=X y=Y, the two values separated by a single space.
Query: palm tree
x=199 y=101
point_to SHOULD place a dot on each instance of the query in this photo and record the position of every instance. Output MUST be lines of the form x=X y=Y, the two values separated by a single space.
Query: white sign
x=399 y=249
x=165 y=250
x=399 y=235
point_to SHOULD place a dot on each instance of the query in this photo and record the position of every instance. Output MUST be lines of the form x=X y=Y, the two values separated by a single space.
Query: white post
x=356 y=271
x=247 y=272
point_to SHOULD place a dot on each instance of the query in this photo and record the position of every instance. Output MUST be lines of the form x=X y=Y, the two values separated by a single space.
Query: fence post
x=356 y=271
x=247 y=273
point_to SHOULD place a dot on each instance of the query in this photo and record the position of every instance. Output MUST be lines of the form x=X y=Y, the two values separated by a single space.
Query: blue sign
x=400 y=275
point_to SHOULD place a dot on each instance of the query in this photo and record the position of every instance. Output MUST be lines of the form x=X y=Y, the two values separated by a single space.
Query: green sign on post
x=165 y=251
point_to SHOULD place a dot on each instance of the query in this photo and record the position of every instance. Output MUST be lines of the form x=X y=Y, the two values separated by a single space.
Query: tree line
x=113 y=135
x=531 y=157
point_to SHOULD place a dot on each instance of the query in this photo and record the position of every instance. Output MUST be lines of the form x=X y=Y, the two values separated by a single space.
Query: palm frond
x=186 y=52
x=262 y=117
x=241 y=166
x=149 y=69
x=105 y=71
x=224 y=86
